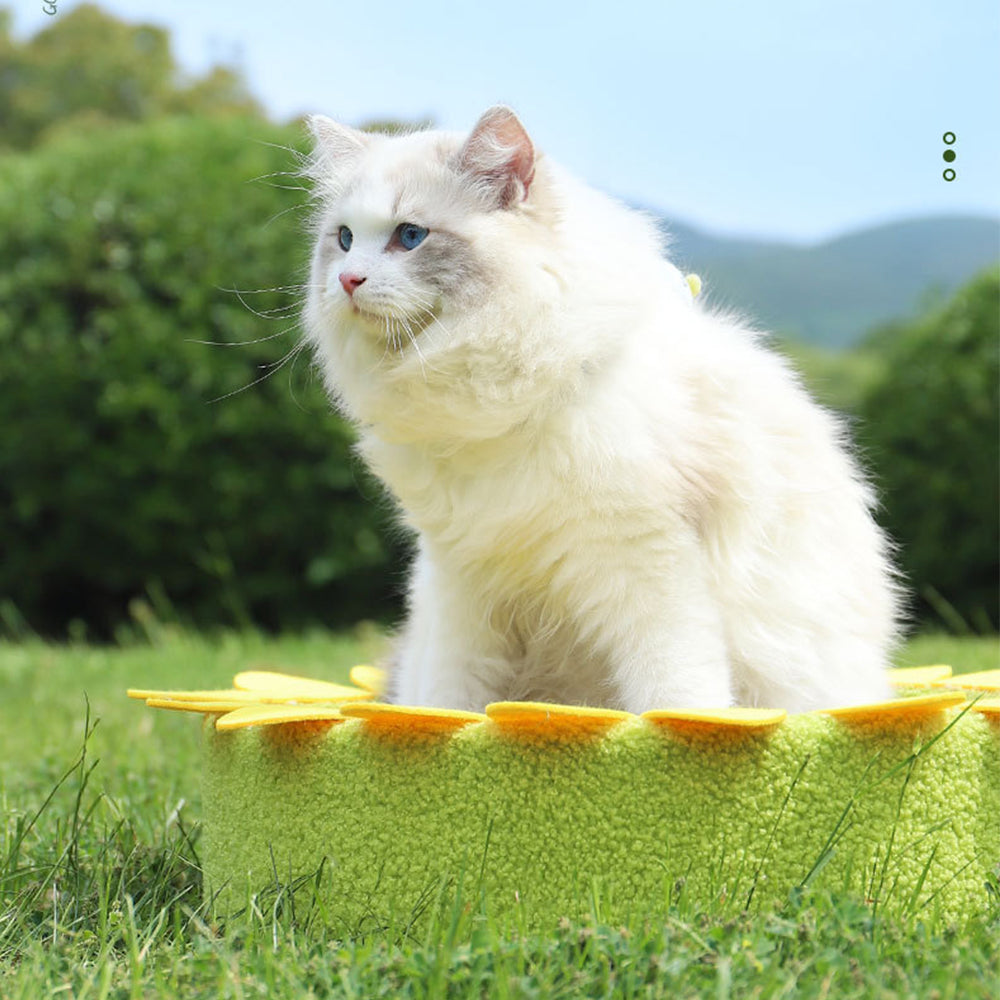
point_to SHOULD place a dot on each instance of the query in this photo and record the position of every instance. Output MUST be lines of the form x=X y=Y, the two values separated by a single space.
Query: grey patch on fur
x=447 y=263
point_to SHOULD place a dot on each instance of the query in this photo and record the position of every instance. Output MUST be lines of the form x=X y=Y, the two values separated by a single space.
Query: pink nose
x=350 y=281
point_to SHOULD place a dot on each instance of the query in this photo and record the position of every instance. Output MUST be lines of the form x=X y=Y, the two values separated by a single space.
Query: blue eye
x=345 y=238
x=410 y=235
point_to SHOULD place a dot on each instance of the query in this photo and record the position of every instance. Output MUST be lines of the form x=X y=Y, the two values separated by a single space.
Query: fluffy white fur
x=621 y=499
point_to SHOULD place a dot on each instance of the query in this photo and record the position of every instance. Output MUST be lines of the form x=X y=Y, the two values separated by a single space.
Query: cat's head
x=409 y=227
x=431 y=272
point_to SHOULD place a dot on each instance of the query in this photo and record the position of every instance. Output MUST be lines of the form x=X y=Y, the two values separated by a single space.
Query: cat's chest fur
x=491 y=508
x=519 y=531
x=515 y=514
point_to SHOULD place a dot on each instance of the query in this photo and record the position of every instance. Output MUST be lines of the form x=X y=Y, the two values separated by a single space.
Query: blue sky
x=794 y=119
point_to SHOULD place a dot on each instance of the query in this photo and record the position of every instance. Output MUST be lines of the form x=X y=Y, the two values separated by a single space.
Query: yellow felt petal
x=982 y=680
x=370 y=678
x=917 y=677
x=900 y=709
x=719 y=720
x=274 y=684
x=411 y=719
x=274 y=715
x=543 y=719
x=988 y=706
x=191 y=705
x=225 y=694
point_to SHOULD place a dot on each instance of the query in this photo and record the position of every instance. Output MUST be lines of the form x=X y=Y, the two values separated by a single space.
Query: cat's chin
x=398 y=329
x=366 y=317
x=354 y=318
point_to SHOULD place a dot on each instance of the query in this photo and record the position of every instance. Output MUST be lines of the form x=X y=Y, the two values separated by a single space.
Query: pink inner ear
x=511 y=134
x=500 y=152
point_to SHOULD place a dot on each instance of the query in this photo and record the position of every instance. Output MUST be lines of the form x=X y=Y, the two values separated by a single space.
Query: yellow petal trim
x=982 y=680
x=720 y=720
x=225 y=694
x=900 y=709
x=988 y=706
x=541 y=718
x=370 y=678
x=410 y=718
x=274 y=715
x=290 y=687
x=917 y=677
x=209 y=705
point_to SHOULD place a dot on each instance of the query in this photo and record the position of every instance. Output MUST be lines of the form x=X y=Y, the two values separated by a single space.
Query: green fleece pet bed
x=540 y=807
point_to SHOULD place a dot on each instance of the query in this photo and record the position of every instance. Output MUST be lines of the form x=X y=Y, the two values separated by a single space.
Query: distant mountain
x=832 y=293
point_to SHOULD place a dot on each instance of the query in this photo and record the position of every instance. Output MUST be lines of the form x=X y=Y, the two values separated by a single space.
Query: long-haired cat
x=621 y=499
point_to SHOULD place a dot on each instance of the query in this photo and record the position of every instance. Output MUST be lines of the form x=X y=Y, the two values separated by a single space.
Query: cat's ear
x=335 y=141
x=499 y=157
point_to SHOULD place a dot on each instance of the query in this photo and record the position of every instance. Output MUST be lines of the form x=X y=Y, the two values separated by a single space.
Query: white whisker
x=434 y=320
x=261 y=314
x=278 y=215
x=275 y=368
x=276 y=288
x=277 y=364
x=416 y=347
x=243 y=343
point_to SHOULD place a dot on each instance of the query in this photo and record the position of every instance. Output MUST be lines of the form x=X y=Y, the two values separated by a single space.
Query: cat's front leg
x=665 y=642
x=446 y=656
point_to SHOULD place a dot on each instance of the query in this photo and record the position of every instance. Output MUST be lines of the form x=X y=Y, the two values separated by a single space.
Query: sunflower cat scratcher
x=539 y=806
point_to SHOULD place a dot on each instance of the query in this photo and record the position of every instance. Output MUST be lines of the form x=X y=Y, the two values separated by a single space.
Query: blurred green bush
x=120 y=477
x=930 y=427
x=118 y=473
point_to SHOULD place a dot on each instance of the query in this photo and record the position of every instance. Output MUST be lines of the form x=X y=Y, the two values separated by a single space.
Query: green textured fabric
x=538 y=823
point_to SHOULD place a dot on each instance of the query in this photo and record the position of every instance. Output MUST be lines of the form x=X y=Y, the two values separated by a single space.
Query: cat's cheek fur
x=447 y=264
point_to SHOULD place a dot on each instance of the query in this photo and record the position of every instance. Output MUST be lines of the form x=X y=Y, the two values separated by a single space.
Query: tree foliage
x=117 y=471
x=930 y=425
x=88 y=69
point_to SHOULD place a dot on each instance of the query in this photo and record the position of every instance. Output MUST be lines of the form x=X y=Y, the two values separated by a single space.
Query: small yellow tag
x=370 y=678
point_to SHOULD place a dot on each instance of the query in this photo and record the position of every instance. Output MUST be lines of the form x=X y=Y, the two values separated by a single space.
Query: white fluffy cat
x=621 y=499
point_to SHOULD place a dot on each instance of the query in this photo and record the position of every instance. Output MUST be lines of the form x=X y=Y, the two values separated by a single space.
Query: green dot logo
x=949 y=155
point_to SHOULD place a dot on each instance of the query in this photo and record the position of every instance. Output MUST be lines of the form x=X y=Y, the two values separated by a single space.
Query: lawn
x=100 y=890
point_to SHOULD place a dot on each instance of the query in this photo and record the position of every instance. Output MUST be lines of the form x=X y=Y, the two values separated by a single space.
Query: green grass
x=100 y=887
